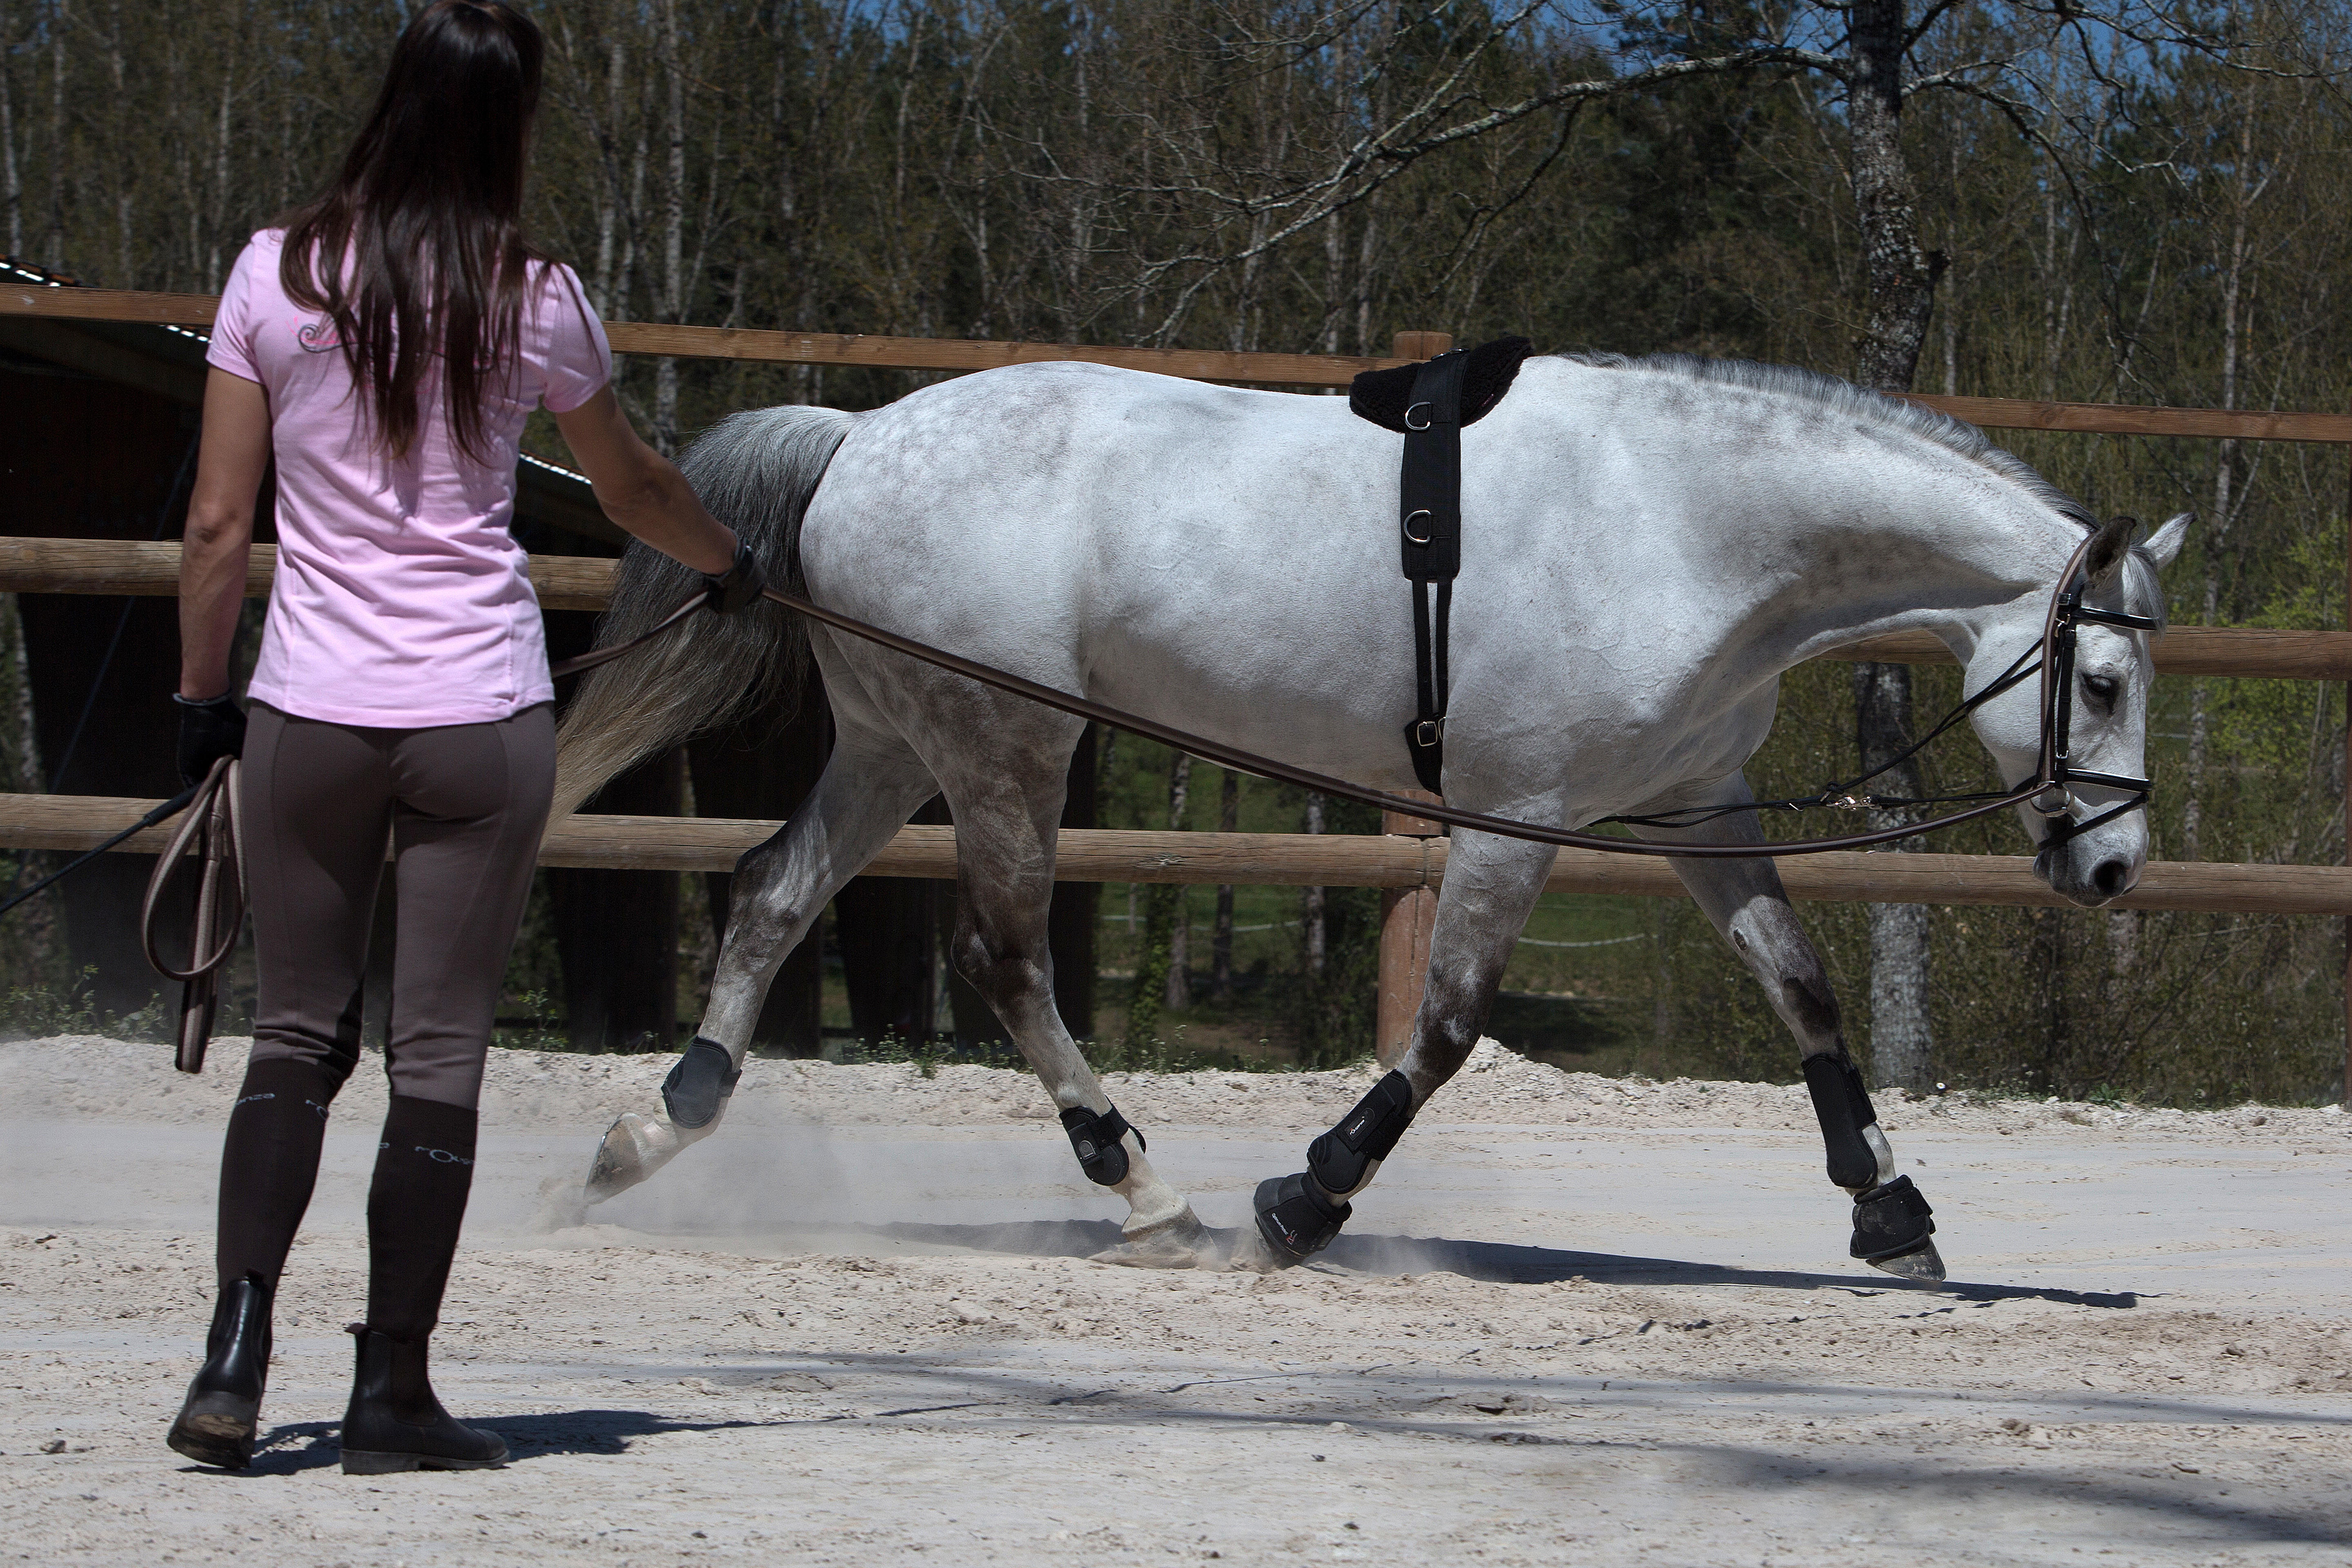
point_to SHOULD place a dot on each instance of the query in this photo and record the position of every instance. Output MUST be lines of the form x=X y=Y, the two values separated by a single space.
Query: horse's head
x=2113 y=672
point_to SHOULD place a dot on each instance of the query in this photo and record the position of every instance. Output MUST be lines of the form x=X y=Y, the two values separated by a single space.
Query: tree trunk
x=59 y=164
x=1901 y=284
x=32 y=960
x=665 y=420
x=1901 y=289
x=2215 y=534
x=12 y=191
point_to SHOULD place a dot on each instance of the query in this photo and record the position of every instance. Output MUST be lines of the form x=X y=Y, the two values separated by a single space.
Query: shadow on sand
x=1487 y=1261
x=301 y=1446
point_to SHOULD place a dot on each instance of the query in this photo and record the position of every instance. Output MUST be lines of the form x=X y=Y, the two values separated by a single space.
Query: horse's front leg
x=1892 y=1227
x=1491 y=884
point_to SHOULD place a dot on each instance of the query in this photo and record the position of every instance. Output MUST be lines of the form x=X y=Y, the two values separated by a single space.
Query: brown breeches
x=463 y=807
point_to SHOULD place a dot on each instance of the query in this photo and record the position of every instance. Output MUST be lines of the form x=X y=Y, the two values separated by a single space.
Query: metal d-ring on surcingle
x=1429 y=499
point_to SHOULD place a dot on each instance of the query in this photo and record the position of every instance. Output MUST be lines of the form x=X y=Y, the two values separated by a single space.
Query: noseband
x=2047 y=792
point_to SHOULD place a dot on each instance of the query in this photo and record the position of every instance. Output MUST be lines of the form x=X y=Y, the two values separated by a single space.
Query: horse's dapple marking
x=1655 y=541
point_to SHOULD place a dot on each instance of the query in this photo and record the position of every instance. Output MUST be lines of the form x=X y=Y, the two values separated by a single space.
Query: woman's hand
x=233 y=456
x=208 y=732
x=741 y=584
x=641 y=491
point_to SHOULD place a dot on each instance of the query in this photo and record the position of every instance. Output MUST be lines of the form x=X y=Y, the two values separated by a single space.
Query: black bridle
x=2056 y=802
x=2047 y=792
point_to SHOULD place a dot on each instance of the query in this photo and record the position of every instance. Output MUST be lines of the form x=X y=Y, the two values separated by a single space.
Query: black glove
x=209 y=731
x=740 y=587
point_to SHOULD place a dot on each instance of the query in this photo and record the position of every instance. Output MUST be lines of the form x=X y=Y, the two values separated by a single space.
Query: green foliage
x=1160 y=1055
x=2172 y=233
x=1161 y=903
x=543 y=1031
x=36 y=1012
x=1334 y=1011
x=2285 y=733
x=926 y=1056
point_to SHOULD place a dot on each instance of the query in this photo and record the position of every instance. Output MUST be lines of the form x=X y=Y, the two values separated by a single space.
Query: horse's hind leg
x=1007 y=811
x=869 y=787
x=1892 y=1227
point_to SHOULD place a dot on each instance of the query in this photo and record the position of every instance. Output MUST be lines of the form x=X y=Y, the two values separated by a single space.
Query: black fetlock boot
x=222 y=1411
x=394 y=1423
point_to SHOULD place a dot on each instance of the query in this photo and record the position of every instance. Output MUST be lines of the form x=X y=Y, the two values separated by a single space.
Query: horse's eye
x=2103 y=689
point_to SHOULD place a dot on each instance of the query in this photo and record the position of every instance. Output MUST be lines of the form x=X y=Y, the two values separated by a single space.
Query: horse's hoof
x=1295 y=1219
x=1894 y=1231
x=1924 y=1267
x=1182 y=1242
x=633 y=1148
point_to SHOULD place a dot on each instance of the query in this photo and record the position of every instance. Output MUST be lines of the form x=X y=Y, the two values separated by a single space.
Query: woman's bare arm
x=233 y=455
x=641 y=491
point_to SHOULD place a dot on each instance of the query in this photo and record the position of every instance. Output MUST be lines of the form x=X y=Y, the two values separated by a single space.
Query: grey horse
x=1648 y=543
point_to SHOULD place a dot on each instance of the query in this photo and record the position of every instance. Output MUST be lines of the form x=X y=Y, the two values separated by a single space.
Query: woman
x=384 y=345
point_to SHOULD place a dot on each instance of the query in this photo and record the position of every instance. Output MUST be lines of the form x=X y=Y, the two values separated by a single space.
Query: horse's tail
x=756 y=472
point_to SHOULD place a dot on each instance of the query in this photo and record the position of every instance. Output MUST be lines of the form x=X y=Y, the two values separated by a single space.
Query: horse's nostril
x=2110 y=877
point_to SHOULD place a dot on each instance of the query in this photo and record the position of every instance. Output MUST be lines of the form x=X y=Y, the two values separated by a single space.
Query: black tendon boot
x=223 y=1410
x=394 y=1423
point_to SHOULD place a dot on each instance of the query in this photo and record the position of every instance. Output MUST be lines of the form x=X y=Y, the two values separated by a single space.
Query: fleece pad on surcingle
x=1382 y=396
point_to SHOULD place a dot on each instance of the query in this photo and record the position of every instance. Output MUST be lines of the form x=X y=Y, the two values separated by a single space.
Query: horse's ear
x=2166 y=541
x=2108 y=548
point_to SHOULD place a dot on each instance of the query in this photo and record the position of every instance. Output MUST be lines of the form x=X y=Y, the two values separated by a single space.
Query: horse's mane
x=1845 y=398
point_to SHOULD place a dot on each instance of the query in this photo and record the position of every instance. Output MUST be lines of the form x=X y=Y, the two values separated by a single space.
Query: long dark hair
x=416 y=252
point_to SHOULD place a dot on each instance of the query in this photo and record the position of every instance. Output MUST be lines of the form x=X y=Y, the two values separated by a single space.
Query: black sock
x=422 y=1172
x=270 y=1162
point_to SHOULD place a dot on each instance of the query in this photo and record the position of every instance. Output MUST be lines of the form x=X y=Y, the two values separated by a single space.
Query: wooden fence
x=1394 y=862
x=1407 y=861
x=111 y=566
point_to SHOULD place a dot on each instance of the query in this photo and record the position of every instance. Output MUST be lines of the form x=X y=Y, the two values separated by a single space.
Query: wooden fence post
x=1407 y=915
x=1419 y=345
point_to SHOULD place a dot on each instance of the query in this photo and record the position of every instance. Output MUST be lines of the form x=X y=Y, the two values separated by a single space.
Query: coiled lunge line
x=211 y=834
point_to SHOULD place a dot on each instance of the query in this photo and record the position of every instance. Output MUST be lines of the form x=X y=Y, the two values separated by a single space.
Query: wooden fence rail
x=585 y=583
x=863 y=351
x=54 y=566
x=1301 y=859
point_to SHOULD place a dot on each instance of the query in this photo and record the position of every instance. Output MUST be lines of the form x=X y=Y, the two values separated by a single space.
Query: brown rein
x=2044 y=781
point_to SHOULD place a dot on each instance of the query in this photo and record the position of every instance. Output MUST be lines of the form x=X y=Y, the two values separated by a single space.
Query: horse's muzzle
x=2107 y=878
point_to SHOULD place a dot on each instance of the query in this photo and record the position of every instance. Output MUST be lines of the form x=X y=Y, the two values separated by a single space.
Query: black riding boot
x=394 y=1423
x=222 y=1411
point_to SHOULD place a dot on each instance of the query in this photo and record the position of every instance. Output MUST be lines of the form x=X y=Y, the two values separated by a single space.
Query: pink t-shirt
x=402 y=599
